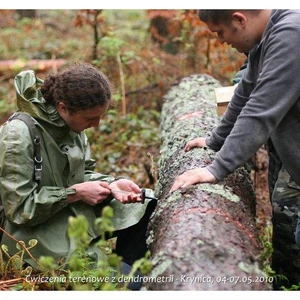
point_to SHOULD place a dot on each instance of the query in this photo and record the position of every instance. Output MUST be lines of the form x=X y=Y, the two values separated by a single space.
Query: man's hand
x=195 y=143
x=199 y=175
x=126 y=191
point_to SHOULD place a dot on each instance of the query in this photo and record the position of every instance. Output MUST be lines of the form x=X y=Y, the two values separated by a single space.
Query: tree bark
x=203 y=237
x=26 y=13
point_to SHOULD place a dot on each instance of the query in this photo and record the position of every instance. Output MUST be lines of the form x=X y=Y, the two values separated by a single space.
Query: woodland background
x=143 y=52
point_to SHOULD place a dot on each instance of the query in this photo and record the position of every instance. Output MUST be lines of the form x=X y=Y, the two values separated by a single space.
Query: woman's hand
x=90 y=192
x=126 y=191
x=190 y=177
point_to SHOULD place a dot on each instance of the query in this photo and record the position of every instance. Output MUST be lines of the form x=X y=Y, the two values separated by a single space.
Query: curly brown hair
x=80 y=87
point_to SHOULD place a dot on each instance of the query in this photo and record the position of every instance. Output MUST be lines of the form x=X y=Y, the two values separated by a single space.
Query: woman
x=63 y=106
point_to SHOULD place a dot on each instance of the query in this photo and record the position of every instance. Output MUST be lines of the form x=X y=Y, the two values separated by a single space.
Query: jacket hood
x=31 y=101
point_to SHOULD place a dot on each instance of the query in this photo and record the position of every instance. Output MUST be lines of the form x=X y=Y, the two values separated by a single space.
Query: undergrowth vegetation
x=81 y=273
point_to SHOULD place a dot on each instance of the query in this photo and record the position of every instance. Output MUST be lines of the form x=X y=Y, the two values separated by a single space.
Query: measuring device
x=143 y=195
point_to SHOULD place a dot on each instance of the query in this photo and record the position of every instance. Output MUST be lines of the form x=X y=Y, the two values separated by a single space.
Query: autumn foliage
x=205 y=54
x=143 y=52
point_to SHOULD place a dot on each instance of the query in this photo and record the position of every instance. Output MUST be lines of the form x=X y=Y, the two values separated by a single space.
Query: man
x=265 y=108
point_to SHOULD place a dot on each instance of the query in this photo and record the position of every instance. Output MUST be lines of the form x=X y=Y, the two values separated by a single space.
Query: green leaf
x=19 y=247
x=27 y=271
x=107 y=212
x=4 y=248
x=47 y=262
x=32 y=243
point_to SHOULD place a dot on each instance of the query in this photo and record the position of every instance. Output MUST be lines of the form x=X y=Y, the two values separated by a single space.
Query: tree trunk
x=203 y=237
x=39 y=65
x=26 y=13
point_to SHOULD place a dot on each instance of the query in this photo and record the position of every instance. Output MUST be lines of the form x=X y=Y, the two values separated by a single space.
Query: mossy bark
x=203 y=237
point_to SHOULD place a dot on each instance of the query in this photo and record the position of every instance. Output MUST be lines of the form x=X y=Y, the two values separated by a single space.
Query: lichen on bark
x=205 y=232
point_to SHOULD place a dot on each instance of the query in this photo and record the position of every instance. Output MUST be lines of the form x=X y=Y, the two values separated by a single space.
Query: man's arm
x=274 y=95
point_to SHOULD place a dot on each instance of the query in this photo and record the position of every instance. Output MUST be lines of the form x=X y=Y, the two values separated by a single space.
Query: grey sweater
x=266 y=103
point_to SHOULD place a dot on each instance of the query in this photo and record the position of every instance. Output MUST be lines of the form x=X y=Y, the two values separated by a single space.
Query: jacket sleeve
x=275 y=94
x=23 y=203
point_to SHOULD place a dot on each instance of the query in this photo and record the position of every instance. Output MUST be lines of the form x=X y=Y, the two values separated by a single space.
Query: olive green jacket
x=40 y=210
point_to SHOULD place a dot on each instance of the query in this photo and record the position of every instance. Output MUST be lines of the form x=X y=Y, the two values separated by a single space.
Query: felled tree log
x=203 y=237
x=39 y=65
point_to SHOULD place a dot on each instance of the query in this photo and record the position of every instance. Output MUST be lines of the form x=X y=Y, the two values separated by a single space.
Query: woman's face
x=82 y=119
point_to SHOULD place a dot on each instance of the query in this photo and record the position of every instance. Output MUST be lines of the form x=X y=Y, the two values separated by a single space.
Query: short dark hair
x=219 y=16
x=80 y=87
x=215 y=16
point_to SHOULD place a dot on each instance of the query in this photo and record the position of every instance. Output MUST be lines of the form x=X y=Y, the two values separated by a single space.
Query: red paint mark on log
x=219 y=213
x=191 y=115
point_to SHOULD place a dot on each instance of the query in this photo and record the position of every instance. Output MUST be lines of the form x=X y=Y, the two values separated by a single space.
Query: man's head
x=241 y=29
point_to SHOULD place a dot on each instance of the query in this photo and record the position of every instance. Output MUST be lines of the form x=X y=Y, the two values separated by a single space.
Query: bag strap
x=35 y=136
